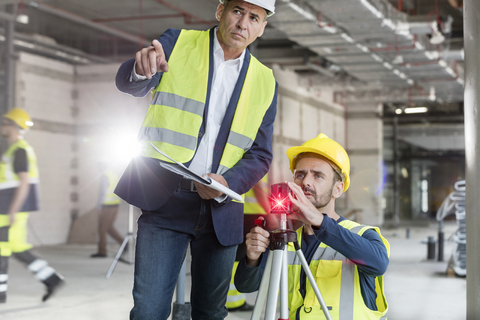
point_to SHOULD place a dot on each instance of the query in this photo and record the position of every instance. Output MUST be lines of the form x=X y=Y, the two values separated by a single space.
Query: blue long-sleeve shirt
x=367 y=251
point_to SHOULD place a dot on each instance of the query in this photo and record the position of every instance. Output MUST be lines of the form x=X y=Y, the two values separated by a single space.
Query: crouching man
x=347 y=260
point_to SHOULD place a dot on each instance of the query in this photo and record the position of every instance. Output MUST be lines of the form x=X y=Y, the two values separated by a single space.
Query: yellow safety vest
x=176 y=111
x=338 y=281
x=251 y=205
x=8 y=177
x=110 y=197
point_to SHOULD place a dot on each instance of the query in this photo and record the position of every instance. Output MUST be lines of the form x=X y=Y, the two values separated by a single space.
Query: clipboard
x=180 y=169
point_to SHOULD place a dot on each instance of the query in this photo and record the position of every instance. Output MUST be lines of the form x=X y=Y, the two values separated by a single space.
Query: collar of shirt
x=220 y=56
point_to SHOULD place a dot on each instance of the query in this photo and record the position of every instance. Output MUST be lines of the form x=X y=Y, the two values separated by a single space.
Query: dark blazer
x=145 y=184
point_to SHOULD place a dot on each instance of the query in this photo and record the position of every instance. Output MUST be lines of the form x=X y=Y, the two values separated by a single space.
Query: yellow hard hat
x=327 y=148
x=20 y=117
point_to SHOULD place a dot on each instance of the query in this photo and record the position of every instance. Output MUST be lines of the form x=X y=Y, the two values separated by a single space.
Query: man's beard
x=321 y=201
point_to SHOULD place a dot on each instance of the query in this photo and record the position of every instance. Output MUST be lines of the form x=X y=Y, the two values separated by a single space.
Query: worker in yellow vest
x=347 y=260
x=18 y=197
x=108 y=204
x=257 y=204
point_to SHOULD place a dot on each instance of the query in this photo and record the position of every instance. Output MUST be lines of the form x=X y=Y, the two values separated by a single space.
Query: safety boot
x=53 y=283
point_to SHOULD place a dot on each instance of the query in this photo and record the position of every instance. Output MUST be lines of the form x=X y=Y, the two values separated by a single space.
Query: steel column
x=472 y=153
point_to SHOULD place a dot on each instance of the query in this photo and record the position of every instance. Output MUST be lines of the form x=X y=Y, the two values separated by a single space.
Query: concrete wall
x=80 y=118
x=44 y=88
x=108 y=123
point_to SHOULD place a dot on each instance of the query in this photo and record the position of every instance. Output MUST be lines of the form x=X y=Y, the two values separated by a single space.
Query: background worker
x=213 y=109
x=348 y=260
x=108 y=203
x=18 y=197
x=257 y=204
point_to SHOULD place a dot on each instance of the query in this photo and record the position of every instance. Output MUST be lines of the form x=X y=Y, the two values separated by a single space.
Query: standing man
x=18 y=197
x=108 y=203
x=347 y=259
x=213 y=109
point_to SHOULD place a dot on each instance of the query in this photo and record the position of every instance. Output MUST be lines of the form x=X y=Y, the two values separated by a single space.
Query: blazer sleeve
x=142 y=88
x=247 y=279
x=255 y=163
x=367 y=251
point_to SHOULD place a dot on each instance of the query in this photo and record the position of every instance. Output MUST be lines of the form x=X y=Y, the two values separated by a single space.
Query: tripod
x=276 y=275
x=129 y=239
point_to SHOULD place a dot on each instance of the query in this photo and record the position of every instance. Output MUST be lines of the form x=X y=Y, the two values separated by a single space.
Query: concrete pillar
x=472 y=153
x=396 y=175
x=364 y=146
x=10 y=62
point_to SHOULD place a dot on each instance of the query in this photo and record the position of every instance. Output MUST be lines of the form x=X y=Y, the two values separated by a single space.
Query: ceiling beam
x=147 y=17
x=83 y=21
x=195 y=19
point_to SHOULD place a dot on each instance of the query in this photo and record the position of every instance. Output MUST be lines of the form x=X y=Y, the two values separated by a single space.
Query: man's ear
x=220 y=9
x=263 y=28
x=338 y=189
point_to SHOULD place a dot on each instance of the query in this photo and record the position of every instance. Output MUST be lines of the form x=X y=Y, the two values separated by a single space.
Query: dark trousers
x=162 y=240
x=106 y=221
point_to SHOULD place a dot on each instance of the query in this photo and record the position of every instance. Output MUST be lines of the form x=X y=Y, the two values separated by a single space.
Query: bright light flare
x=280 y=205
x=121 y=148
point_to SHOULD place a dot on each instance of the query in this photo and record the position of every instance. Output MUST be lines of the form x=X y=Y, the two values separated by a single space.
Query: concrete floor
x=415 y=288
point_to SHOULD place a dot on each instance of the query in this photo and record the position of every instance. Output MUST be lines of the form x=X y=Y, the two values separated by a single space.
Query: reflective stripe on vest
x=251 y=205
x=256 y=97
x=110 y=197
x=8 y=177
x=235 y=298
x=338 y=281
x=176 y=111
x=175 y=115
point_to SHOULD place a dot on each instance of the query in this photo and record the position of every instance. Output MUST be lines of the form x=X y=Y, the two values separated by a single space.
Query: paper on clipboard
x=180 y=169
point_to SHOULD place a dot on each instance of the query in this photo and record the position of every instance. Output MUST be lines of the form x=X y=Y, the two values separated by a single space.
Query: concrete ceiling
x=359 y=57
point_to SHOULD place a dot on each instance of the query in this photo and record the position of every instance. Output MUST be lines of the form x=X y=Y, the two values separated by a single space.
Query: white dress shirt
x=225 y=76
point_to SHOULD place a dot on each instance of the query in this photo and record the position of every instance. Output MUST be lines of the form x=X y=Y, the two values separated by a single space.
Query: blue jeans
x=162 y=240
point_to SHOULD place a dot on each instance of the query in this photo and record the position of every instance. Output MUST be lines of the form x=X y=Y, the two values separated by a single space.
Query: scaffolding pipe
x=10 y=65
x=77 y=19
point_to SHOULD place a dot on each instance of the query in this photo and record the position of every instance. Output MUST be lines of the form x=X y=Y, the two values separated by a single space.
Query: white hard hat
x=268 y=5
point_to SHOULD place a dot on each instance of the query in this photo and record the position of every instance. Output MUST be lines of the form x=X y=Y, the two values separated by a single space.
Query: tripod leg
x=284 y=286
x=127 y=240
x=263 y=289
x=130 y=232
x=307 y=270
x=274 y=285
x=181 y=309
x=182 y=276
